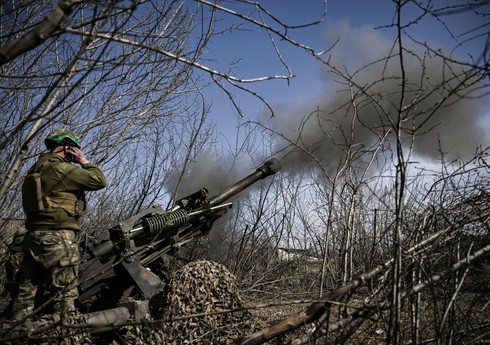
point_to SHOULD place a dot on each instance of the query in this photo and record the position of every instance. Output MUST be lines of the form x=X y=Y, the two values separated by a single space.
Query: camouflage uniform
x=13 y=271
x=14 y=263
x=53 y=200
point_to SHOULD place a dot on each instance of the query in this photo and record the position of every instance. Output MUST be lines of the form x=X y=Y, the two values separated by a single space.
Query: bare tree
x=398 y=243
x=128 y=77
x=381 y=123
x=110 y=69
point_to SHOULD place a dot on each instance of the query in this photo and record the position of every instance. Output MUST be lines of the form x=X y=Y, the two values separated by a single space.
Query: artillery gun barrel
x=268 y=168
x=180 y=217
x=160 y=222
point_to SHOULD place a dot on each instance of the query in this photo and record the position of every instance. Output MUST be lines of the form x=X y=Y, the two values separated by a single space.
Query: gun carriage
x=116 y=282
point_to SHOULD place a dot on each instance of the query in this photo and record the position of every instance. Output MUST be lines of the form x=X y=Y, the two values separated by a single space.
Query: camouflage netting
x=203 y=287
x=200 y=287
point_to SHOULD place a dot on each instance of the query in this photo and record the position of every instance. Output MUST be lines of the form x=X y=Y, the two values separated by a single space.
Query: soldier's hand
x=77 y=155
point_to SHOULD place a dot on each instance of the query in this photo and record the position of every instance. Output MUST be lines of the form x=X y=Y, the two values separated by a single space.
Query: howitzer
x=115 y=280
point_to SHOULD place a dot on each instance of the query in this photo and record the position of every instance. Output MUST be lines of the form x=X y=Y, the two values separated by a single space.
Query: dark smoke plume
x=442 y=108
x=207 y=171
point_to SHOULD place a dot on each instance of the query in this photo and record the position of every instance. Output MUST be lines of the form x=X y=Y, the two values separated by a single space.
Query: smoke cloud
x=210 y=172
x=360 y=113
x=358 y=118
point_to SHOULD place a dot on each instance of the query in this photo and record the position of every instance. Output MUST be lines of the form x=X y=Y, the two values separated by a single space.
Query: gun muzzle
x=268 y=168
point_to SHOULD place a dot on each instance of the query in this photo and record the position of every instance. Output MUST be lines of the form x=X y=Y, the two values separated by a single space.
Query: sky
x=359 y=29
x=257 y=59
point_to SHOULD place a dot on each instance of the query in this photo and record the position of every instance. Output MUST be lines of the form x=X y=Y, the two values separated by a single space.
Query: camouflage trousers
x=49 y=269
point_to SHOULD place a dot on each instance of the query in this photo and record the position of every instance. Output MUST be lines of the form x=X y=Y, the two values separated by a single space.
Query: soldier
x=53 y=197
x=13 y=268
x=14 y=262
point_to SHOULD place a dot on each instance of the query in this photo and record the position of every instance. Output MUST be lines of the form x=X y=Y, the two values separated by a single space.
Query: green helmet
x=62 y=137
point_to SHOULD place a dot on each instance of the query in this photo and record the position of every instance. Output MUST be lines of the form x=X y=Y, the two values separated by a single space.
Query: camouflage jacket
x=59 y=193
